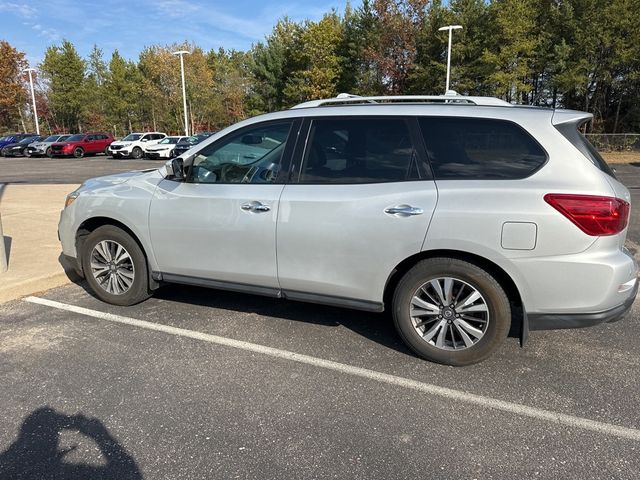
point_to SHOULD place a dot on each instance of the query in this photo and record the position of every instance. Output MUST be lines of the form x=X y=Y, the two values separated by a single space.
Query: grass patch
x=620 y=157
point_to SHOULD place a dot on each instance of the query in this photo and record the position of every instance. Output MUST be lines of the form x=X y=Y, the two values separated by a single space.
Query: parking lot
x=197 y=383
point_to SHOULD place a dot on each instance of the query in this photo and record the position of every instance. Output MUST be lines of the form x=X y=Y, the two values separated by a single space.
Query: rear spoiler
x=576 y=117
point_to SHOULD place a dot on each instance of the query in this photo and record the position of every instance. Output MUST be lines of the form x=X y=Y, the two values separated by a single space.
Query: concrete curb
x=33 y=286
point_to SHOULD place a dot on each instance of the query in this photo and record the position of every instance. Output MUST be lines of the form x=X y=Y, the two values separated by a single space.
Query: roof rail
x=450 y=98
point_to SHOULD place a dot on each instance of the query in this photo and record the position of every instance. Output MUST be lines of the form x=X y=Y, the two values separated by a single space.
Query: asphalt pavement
x=40 y=170
x=197 y=383
x=334 y=395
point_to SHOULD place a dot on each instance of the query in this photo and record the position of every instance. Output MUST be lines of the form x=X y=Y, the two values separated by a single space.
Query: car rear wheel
x=115 y=266
x=137 y=153
x=106 y=152
x=48 y=152
x=450 y=311
x=78 y=152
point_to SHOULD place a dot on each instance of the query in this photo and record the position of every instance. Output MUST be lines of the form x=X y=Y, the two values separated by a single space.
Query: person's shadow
x=36 y=453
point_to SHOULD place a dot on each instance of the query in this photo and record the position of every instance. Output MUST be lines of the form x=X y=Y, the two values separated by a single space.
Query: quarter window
x=252 y=155
x=348 y=151
x=479 y=149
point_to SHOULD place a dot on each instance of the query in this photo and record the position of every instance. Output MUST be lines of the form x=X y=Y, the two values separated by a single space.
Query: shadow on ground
x=37 y=454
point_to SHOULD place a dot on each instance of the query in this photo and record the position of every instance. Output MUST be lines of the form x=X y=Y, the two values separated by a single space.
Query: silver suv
x=465 y=217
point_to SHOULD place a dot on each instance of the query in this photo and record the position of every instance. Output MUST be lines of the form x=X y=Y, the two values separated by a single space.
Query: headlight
x=71 y=198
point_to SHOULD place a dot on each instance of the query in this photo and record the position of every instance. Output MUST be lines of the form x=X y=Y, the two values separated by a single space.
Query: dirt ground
x=621 y=157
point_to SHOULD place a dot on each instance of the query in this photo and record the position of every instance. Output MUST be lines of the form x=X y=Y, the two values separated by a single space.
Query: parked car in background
x=82 y=144
x=188 y=142
x=465 y=217
x=17 y=149
x=163 y=149
x=43 y=147
x=13 y=138
x=133 y=145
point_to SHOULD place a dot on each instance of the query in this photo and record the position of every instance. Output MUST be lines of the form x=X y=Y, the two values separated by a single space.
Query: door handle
x=404 y=210
x=255 y=207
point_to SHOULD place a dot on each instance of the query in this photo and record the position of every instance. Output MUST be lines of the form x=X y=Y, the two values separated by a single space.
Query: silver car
x=465 y=217
x=43 y=147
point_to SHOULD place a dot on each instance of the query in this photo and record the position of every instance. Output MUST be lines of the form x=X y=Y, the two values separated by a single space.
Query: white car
x=163 y=149
x=133 y=145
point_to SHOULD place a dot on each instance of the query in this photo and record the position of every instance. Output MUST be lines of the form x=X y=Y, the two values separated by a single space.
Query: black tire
x=137 y=153
x=497 y=303
x=139 y=289
x=78 y=152
x=48 y=152
x=106 y=152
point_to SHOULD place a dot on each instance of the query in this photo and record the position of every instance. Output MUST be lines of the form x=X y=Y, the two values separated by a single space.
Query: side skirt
x=355 y=304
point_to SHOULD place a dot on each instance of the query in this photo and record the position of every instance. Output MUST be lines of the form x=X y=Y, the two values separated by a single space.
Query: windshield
x=63 y=138
x=28 y=140
x=132 y=137
x=75 y=138
x=171 y=140
x=52 y=138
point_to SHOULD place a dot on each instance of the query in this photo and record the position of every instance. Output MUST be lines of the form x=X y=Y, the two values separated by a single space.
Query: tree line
x=578 y=54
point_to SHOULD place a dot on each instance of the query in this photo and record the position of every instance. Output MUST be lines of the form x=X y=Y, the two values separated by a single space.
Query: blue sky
x=129 y=25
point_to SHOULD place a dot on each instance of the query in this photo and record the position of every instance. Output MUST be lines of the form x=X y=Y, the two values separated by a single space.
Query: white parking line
x=457 y=395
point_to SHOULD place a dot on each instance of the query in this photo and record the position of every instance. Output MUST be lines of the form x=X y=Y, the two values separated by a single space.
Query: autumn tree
x=318 y=62
x=12 y=89
x=393 y=51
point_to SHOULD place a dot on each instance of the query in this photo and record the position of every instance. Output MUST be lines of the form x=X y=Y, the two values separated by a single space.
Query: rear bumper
x=551 y=321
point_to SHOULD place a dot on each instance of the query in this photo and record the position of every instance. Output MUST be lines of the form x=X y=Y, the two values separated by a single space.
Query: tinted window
x=359 y=151
x=479 y=148
x=75 y=138
x=250 y=156
x=570 y=132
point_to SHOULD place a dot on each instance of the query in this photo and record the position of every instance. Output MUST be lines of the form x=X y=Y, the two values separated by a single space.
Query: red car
x=82 y=144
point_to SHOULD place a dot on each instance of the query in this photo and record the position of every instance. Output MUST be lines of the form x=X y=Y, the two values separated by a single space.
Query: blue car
x=16 y=137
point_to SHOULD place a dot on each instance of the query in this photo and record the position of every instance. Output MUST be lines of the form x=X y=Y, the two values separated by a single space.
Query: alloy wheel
x=449 y=313
x=112 y=267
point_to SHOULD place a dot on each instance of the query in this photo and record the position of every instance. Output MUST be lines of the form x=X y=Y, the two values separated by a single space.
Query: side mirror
x=178 y=168
x=175 y=169
x=143 y=139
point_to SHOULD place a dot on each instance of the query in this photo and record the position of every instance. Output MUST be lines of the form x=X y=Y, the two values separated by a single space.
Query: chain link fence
x=615 y=142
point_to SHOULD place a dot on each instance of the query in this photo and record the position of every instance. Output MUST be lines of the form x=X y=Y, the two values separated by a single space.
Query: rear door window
x=480 y=149
x=359 y=150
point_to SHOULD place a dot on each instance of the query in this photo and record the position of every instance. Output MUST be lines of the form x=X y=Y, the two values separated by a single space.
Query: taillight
x=594 y=215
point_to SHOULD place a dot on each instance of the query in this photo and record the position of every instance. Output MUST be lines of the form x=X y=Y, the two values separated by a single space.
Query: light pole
x=33 y=97
x=450 y=28
x=184 y=90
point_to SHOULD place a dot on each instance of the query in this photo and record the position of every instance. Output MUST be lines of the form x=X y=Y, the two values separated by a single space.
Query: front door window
x=252 y=155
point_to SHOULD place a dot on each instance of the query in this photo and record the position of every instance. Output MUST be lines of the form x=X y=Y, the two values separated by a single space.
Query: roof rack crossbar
x=347 y=99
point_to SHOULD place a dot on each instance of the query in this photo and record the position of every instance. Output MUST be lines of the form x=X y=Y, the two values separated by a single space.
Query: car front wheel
x=137 y=153
x=78 y=152
x=115 y=266
x=450 y=311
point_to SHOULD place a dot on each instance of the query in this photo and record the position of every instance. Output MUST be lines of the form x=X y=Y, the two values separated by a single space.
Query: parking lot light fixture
x=181 y=53
x=450 y=28
x=33 y=97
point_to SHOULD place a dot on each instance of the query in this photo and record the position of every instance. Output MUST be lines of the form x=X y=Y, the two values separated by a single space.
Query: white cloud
x=20 y=9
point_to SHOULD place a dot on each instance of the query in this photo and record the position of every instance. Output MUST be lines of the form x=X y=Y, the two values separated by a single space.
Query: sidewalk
x=29 y=215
